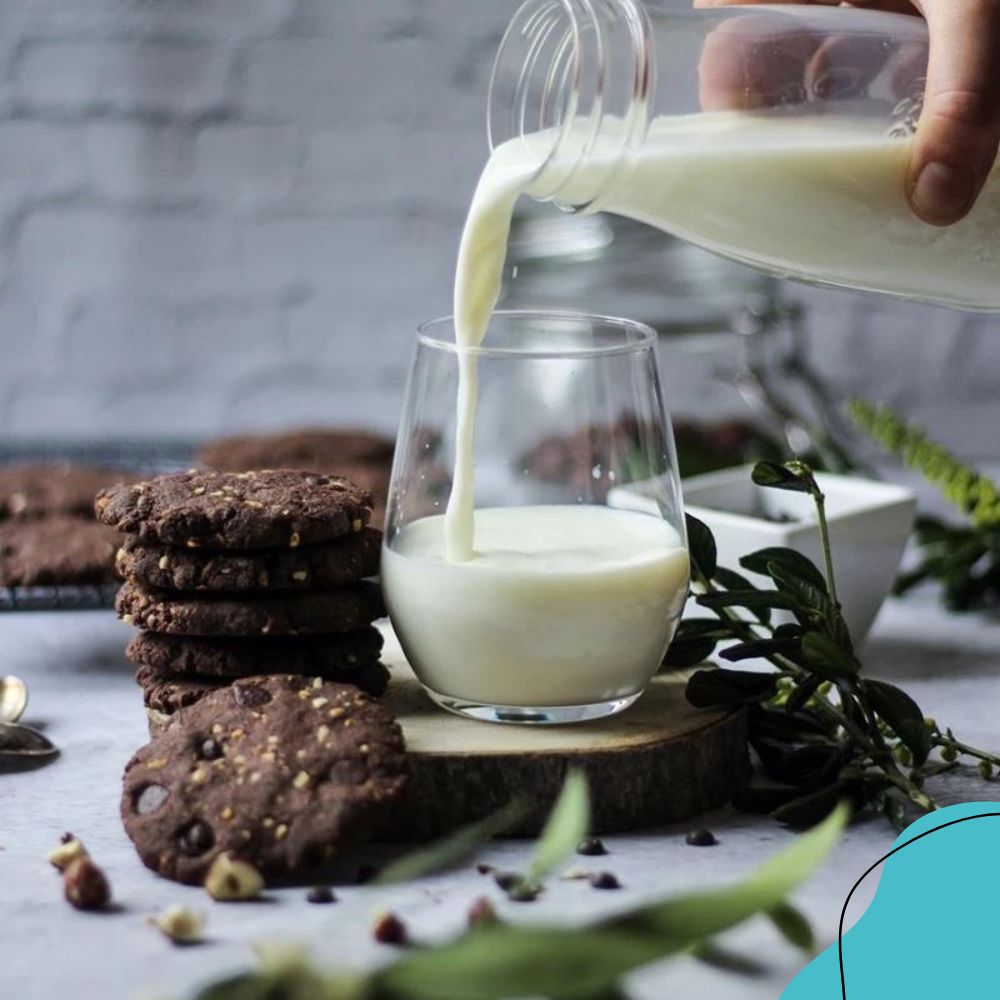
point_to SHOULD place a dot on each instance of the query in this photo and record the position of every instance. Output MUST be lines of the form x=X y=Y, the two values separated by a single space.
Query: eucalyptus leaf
x=451 y=850
x=902 y=714
x=758 y=602
x=701 y=545
x=804 y=593
x=760 y=648
x=812 y=807
x=790 y=560
x=793 y=926
x=684 y=653
x=775 y=476
x=566 y=826
x=509 y=962
x=731 y=580
x=713 y=688
x=701 y=915
x=826 y=657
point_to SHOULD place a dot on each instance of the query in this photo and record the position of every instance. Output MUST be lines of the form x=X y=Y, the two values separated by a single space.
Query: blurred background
x=220 y=215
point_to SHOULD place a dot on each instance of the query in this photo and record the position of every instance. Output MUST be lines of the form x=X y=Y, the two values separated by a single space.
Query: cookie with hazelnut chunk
x=331 y=564
x=204 y=656
x=54 y=551
x=310 y=612
x=281 y=508
x=283 y=772
x=168 y=693
x=307 y=448
x=32 y=490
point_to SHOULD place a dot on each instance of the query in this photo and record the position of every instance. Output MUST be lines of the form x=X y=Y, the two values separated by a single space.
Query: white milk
x=559 y=605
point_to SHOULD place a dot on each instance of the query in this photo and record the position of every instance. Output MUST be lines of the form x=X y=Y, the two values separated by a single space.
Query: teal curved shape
x=932 y=931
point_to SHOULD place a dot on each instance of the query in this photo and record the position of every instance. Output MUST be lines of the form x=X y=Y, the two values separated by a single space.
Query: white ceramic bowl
x=869 y=524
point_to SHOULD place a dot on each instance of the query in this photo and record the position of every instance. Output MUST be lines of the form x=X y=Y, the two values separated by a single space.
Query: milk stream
x=561 y=605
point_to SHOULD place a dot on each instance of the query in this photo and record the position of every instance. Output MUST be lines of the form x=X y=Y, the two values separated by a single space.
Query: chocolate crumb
x=604 y=880
x=321 y=894
x=701 y=838
x=485 y=869
x=507 y=880
x=365 y=874
x=591 y=847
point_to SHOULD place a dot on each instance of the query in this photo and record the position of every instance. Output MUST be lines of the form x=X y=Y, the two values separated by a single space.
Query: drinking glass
x=580 y=565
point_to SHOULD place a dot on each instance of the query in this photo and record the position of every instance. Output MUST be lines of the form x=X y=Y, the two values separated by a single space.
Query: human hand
x=959 y=129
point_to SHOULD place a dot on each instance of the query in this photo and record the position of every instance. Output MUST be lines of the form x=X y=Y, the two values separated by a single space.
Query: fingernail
x=943 y=192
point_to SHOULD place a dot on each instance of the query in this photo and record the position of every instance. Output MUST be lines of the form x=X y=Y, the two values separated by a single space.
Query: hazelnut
x=181 y=925
x=229 y=879
x=67 y=852
x=481 y=913
x=389 y=929
x=85 y=885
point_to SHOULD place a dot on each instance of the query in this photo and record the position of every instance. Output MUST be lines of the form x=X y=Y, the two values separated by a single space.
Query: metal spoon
x=13 y=698
x=23 y=743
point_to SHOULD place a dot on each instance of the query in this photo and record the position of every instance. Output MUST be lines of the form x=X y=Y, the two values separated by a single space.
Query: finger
x=754 y=61
x=959 y=130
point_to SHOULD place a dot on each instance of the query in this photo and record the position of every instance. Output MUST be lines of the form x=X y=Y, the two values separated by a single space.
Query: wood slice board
x=660 y=761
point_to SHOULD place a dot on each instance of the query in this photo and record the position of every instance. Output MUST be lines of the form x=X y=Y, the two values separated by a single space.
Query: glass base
x=526 y=715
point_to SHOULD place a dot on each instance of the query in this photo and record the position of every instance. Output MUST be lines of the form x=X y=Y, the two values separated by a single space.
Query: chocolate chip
x=250 y=695
x=321 y=894
x=195 y=838
x=604 y=880
x=701 y=838
x=365 y=874
x=523 y=893
x=210 y=749
x=149 y=799
x=506 y=880
x=591 y=846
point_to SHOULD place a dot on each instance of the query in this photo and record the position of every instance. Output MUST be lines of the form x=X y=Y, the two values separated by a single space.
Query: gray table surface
x=83 y=696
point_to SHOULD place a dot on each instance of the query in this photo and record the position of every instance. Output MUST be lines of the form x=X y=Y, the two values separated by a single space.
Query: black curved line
x=882 y=860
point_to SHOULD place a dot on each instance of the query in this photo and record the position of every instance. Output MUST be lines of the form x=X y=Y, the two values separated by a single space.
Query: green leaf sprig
x=501 y=961
x=964 y=559
x=822 y=732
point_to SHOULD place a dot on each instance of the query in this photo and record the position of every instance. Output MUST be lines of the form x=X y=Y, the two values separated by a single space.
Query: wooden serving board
x=660 y=761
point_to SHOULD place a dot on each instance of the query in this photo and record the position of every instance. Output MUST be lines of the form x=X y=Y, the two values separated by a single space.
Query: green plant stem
x=965 y=749
x=824 y=537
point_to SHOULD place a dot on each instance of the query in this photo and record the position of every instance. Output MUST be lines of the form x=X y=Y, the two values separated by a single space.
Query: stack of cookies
x=234 y=575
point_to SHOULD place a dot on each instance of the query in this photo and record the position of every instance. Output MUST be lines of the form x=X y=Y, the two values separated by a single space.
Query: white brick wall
x=224 y=213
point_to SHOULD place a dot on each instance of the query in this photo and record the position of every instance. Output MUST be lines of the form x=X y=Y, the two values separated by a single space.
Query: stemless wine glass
x=580 y=565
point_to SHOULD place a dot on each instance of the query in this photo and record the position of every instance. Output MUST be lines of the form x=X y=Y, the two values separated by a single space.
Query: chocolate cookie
x=320 y=612
x=324 y=655
x=166 y=693
x=55 y=551
x=246 y=510
x=283 y=771
x=28 y=491
x=308 y=566
x=323 y=450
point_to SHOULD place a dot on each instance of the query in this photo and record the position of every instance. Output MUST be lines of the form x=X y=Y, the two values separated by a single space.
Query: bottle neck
x=576 y=77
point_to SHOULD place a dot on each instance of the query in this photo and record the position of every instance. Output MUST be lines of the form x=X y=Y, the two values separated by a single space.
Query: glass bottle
x=776 y=136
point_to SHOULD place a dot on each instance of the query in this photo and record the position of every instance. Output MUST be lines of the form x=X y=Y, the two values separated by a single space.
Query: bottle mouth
x=570 y=74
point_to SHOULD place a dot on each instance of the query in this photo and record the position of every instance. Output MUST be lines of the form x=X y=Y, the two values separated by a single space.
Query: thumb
x=959 y=130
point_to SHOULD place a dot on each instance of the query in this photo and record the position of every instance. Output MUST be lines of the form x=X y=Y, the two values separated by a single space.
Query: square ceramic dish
x=869 y=524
